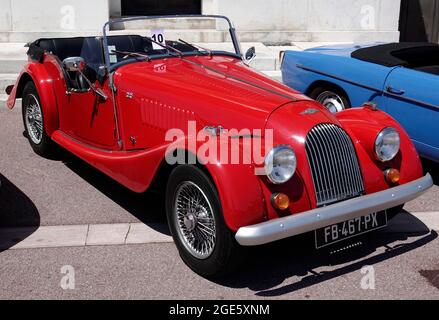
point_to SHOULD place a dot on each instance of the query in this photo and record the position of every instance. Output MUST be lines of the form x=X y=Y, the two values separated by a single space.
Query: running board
x=133 y=169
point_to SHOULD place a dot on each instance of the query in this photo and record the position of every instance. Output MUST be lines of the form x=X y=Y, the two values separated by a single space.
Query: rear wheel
x=33 y=119
x=197 y=225
x=331 y=98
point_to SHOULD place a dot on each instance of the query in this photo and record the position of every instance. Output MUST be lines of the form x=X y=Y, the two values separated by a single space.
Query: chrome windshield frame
x=232 y=30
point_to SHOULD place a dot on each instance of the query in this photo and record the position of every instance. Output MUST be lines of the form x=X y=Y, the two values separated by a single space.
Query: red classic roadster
x=113 y=100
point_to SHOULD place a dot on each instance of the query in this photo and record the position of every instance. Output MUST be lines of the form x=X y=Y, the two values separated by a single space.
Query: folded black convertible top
x=397 y=54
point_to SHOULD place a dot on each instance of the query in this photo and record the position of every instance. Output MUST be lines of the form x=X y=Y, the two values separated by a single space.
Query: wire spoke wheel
x=194 y=220
x=33 y=119
x=331 y=101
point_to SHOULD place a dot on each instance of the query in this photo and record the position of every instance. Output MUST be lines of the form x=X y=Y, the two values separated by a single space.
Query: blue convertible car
x=401 y=78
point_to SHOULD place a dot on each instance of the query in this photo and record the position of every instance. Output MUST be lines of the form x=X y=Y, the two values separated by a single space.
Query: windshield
x=147 y=38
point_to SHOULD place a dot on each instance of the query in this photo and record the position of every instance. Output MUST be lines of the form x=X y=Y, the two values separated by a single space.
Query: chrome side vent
x=334 y=165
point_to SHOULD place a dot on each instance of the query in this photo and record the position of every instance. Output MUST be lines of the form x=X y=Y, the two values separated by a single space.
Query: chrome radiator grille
x=334 y=165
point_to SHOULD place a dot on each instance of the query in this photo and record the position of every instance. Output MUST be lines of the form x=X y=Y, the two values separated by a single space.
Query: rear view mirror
x=74 y=64
x=77 y=64
x=250 y=54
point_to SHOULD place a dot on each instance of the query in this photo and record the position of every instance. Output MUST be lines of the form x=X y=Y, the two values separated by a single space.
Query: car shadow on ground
x=267 y=268
x=432 y=168
x=148 y=207
x=16 y=211
x=272 y=264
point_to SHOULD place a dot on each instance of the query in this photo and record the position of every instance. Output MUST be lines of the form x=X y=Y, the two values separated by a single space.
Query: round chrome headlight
x=387 y=144
x=280 y=164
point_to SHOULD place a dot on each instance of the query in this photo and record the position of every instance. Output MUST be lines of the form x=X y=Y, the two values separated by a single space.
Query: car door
x=411 y=98
x=89 y=118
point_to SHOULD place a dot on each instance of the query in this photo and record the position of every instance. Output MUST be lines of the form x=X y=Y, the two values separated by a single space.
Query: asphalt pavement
x=66 y=192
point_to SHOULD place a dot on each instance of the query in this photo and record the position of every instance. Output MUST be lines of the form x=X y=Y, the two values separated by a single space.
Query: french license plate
x=351 y=228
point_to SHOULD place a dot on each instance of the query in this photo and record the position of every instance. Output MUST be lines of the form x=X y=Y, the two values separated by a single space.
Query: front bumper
x=282 y=228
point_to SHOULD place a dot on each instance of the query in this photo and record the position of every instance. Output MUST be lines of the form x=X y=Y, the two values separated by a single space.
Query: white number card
x=158 y=36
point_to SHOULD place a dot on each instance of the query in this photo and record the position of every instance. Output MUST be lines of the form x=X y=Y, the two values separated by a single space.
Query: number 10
x=158 y=38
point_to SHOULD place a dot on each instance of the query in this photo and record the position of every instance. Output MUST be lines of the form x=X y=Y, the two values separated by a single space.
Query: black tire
x=317 y=92
x=46 y=147
x=225 y=257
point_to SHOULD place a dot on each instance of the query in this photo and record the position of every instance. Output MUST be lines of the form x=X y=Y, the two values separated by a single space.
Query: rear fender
x=38 y=74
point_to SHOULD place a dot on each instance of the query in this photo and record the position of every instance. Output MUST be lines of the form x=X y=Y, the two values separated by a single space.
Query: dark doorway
x=160 y=7
x=419 y=21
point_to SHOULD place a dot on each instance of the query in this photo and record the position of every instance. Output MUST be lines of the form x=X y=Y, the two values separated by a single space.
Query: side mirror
x=74 y=64
x=250 y=54
x=77 y=64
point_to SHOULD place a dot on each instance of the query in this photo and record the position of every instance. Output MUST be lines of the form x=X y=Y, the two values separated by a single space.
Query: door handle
x=395 y=91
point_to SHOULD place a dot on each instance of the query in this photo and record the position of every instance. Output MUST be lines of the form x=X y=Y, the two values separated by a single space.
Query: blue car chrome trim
x=400 y=96
x=338 y=78
x=388 y=92
x=282 y=228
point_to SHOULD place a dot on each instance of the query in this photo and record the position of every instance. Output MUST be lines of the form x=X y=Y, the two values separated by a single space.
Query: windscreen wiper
x=132 y=54
x=196 y=47
x=165 y=46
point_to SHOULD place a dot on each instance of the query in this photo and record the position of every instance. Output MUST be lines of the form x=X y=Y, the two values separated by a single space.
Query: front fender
x=240 y=193
x=239 y=188
x=43 y=80
x=365 y=124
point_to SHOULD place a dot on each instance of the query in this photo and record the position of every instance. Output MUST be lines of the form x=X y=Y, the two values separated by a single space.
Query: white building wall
x=274 y=21
x=313 y=20
x=53 y=15
x=5 y=15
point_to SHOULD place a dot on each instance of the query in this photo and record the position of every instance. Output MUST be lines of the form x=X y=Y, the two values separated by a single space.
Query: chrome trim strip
x=282 y=228
x=338 y=78
x=411 y=100
x=384 y=92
